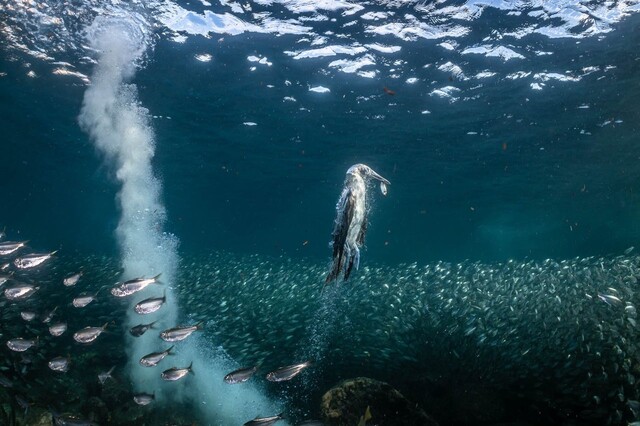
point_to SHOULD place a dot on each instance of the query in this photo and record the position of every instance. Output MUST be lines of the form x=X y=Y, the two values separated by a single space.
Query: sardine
x=10 y=247
x=28 y=315
x=264 y=421
x=144 y=398
x=150 y=305
x=175 y=373
x=70 y=420
x=130 y=287
x=82 y=301
x=32 y=260
x=240 y=375
x=88 y=334
x=140 y=329
x=287 y=373
x=60 y=364
x=106 y=375
x=179 y=333
x=58 y=329
x=20 y=345
x=49 y=316
x=72 y=280
x=4 y=278
x=154 y=358
x=5 y=382
x=383 y=188
x=20 y=291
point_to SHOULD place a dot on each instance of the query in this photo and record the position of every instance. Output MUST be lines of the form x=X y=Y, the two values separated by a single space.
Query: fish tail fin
x=199 y=325
x=151 y=325
x=156 y=278
x=171 y=353
x=191 y=368
x=281 y=415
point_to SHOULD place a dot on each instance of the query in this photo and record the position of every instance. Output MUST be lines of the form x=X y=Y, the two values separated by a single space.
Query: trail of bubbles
x=120 y=129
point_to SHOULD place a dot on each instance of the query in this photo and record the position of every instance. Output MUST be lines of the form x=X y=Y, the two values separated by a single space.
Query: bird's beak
x=377 y=176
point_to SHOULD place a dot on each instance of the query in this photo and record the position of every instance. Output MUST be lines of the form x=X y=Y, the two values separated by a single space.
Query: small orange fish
x=388 y=91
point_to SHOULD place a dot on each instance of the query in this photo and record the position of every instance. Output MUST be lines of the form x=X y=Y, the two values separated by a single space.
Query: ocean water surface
x=209 y=141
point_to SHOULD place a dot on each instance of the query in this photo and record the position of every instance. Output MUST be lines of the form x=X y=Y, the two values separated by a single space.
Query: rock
x=38 y=417
x=347 y=402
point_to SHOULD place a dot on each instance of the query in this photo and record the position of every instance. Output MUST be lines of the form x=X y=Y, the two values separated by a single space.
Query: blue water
x=515 y=189
x=536 y=159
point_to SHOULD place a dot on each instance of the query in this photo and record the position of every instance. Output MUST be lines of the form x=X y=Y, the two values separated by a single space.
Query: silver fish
x=264 y=421
x=287 y=373
x=58 y=329
x=144 y=398
x=383 y=188
x=5 y=382
x=130 y=287
x=10 y=247
x=20 y=345
x=89 y=334
x=240 y=375
x=152 y=359
x=60 y=364
x=70 y=420
x=20 y=291
x=175 y=373
x=4 y=279
x=49 y=316
x=32 y=260
x=72 y=280
x=150 y=305
x=5 y=266
x=28 y=315
x=179 y=333
x=106 y=375
x=82 y=301
x=140 y=329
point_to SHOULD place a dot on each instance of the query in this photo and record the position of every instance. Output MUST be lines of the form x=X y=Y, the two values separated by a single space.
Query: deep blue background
x=528 y=184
